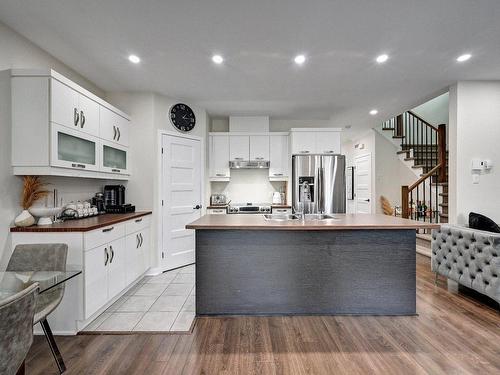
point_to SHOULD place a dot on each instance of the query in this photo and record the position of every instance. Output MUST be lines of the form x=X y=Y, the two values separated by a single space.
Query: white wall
x=474 y=133
x=435 y=111
x=18 y=52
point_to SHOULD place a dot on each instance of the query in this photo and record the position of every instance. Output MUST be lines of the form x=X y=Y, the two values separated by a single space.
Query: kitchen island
x=358 y=264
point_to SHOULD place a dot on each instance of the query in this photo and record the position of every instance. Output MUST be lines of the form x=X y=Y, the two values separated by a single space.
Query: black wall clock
x=182 y=117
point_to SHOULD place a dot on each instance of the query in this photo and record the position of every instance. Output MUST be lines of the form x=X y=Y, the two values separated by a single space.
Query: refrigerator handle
x=320 y=203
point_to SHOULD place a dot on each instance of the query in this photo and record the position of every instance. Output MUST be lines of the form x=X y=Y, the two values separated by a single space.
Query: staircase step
x=387 y=128
x=409 y=159
x=424 y=236
x=443 y=194
x=444 y=215
x=402 y=152
x=443 y=204
x=398 y=136
x=440 y=183
x=418 y=166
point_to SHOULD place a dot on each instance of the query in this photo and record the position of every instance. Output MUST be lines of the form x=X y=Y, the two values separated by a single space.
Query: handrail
x=423 y=178
x=421 y=119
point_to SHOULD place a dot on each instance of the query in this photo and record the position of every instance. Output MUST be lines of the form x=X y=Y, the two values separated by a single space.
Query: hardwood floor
x=453 y=334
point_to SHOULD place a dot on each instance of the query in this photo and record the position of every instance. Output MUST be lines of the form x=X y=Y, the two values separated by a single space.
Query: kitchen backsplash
x=73 y=189
x=247 y=185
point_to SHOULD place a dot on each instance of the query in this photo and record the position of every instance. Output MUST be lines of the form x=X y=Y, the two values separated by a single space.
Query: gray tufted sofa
x=469 y=257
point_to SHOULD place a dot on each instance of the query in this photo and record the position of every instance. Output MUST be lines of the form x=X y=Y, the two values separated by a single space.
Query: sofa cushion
x=481 y=222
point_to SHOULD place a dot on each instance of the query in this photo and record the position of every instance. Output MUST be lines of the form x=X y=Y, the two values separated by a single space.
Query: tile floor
x=162 y=303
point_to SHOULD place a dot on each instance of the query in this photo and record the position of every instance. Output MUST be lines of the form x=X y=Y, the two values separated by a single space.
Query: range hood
x=247 y=164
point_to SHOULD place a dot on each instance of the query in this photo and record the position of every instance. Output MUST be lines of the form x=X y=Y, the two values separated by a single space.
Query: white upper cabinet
x=89 y=115
x=278 y=157
x=239 y=147
x=113 y=127
x=61 y=129
x=259 y=147
x=219 y=157
x=315 y=141
x=64 y=105
x=303 y=143
x=328 y=142
x=72 y=109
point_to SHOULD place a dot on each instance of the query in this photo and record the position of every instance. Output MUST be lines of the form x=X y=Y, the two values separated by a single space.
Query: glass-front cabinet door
x=114 y=158
x=73 y=149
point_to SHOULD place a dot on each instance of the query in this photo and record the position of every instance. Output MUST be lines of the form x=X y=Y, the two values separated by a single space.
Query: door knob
x=366 y=200
x=197 y=207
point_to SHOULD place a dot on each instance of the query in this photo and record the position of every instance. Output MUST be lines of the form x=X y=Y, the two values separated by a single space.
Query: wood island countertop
x=83 y=225
x=345 y=222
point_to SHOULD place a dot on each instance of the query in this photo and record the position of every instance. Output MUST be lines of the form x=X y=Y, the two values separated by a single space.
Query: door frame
x=369 y=154
x=158 y=199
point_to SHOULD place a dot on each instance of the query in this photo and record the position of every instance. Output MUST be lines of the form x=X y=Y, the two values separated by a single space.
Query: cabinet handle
x=108 y=229
x=137 y=241
x=220 y=174
x=238 y=158
x=82 y=118
x=119 y=134
x=76 y=117
x=77 y=165
x=304 y=152
x=138 y=220
x=114 y=133
x=259 y=158
x=115 y=170
x=112 y=254
x=142 y=239
x=106 y=256
x=277 y=174
x=329 y=152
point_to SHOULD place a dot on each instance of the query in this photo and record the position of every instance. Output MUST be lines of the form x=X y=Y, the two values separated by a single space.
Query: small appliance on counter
x=218 y=200
x=98 y=201
x=114 y=200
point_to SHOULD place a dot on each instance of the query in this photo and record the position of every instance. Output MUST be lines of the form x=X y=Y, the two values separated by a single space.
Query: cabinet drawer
x=216 y=211
x=138 y=224
x=282 y=211
x=103 y=235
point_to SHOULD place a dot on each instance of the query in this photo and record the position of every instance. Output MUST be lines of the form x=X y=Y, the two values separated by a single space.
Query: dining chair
x=43 y=257
x=16 y=327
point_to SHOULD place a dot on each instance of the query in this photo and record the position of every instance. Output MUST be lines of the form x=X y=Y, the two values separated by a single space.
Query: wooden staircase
x=423 y=145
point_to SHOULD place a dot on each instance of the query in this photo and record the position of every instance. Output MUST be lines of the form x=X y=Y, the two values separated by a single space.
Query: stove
x=249 y=208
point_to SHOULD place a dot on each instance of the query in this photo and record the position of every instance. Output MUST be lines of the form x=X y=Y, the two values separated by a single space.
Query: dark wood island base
x=267 y=272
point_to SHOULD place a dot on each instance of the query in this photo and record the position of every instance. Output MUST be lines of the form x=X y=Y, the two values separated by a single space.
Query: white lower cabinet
x=112 y=266
x=96 y=279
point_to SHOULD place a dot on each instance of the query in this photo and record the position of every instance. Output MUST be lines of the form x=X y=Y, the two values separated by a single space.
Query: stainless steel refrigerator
x=318 y=184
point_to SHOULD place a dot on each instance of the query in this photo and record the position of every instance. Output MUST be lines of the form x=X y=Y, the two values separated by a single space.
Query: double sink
x=307 y=217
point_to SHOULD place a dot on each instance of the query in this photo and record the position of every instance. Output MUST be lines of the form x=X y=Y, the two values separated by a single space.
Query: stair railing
x=426 y=146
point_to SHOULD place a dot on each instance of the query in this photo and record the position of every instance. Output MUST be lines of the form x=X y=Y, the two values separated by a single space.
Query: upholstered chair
x=16 y=327
x=43 y=257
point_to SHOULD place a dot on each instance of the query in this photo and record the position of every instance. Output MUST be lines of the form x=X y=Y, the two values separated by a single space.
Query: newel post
x=405 y=204
x=442 y=152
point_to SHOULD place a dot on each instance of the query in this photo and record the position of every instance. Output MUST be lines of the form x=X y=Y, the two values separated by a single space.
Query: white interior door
x=363 y=183
x=181 y=194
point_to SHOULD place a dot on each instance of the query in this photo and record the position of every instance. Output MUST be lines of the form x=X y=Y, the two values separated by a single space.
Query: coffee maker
x=114 y=200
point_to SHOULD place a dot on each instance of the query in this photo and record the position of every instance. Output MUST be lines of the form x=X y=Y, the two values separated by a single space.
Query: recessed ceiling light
x=218 y=59
x=382 y=58
x=299 y=59
x=134 y=59
x=464 y=57
x=373 y=112
x=348 y=126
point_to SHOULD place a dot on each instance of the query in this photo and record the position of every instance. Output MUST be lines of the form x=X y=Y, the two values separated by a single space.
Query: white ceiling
x=259 y=39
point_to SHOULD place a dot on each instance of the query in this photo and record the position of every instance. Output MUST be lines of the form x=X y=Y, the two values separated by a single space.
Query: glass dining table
x=12 y=282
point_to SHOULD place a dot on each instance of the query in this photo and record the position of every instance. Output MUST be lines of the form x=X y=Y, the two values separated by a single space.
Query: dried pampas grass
x=386 y=206
x=33 y=190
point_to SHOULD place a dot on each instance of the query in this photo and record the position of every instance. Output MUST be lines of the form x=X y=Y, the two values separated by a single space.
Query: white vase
x=25 y=219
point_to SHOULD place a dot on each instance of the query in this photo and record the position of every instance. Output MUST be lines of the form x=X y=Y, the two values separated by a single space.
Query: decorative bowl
x=45 y=213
